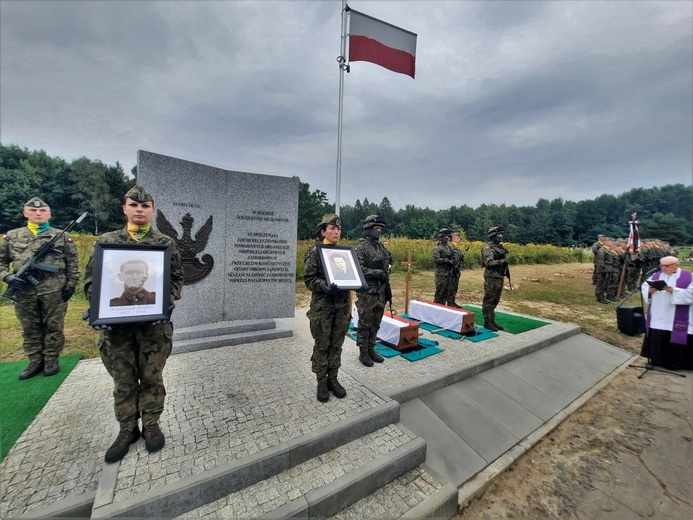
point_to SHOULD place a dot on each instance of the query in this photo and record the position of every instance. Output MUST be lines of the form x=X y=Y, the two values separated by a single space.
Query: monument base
x=227 y=333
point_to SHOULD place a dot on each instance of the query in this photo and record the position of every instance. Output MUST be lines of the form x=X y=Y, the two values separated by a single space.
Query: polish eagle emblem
x=194 y=269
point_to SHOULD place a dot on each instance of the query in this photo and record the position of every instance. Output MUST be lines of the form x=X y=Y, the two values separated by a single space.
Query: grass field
x=561 y=292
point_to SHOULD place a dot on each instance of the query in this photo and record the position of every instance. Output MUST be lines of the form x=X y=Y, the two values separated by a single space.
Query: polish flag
x=379 y=42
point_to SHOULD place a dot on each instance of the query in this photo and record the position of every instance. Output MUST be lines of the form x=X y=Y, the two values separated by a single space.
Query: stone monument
x=237 y=235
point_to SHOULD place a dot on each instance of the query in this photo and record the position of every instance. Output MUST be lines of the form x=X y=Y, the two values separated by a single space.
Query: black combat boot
x=455 y=304
x=490 y=326
x=375 y=356
x=498 y=326
x=50 y=365
x=121 y=446
x=334 y=386
x=364 y=357
x=35 y=367
x=153 y=437
x=323 y=394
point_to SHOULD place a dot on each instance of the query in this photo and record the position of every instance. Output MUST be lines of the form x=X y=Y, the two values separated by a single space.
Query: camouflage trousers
x=493 y=287
x=371 y=308
x=328 y=326
x=445 y=288
x=600 y=286
x=135 y=356
x=42 y=319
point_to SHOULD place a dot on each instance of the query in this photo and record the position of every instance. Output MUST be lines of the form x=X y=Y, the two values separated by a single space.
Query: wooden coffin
x=443 y=316
x=395 y=332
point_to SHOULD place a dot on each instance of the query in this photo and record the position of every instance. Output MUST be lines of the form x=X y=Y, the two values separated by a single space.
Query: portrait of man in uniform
x=134 y=274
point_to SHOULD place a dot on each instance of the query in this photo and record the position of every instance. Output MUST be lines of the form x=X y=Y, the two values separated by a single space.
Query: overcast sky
x=512 y=101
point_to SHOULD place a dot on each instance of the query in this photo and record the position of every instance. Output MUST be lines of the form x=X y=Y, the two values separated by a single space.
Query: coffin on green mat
x=21 y=401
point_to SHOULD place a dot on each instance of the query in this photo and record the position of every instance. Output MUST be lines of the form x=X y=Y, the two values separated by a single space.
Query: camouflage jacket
x=444 y=257
x=374 y=259
x=19 y=246
x=153 y=237
x=315 y=280
x=493 y=256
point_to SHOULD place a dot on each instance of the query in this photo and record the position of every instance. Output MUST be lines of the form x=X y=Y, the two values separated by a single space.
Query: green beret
x=328 y=219
x=139 y=194
x=36 y=203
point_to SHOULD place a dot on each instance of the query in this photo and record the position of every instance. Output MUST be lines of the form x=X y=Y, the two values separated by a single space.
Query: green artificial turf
x=512 y=324
x=21 y=401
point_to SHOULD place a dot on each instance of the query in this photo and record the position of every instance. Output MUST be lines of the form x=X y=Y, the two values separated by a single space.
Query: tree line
x=90 y=185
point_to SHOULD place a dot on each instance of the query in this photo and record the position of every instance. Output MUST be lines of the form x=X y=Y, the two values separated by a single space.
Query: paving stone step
x=242 y=335
x=326 y=484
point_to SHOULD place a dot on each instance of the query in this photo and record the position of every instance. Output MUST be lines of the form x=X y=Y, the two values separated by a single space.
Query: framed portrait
x=130 y=284
x=341 y=266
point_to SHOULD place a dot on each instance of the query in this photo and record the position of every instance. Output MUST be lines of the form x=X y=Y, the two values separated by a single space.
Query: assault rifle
x=26 y=273
x=507 y=273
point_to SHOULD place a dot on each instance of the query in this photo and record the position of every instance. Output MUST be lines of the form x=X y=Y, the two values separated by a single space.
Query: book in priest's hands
x=657 y=284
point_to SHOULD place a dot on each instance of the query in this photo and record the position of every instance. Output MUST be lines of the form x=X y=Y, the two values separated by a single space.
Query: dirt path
x=627 y=453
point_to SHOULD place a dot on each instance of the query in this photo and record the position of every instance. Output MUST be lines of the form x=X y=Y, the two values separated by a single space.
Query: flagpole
x=342 y=67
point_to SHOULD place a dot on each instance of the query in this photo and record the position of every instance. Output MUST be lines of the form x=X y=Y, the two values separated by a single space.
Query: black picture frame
x=352 y=278
x=107 y=305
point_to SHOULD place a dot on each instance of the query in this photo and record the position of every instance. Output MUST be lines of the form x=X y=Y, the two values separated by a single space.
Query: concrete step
x=210 y=485
x=326 y=484
x=190 y=339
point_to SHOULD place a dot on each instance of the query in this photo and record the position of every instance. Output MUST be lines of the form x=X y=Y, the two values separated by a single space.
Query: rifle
x=35 y=263
x=507 y=273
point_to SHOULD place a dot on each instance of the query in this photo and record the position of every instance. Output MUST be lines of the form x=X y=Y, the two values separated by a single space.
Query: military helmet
x=35 y=202
x=139 y=194
x=495 y=230
x=445 y=232
x=373 y=220
x=329 y=218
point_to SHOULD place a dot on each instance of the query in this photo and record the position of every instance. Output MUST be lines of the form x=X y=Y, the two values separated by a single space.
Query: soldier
x=595 y=250
x=600 y=271
x=370 y=303
x=496 y=265
x=457 y=268
x=445 y=258
x=40 y=308
x=135 y=353
x=611 y=264
x=329 y=313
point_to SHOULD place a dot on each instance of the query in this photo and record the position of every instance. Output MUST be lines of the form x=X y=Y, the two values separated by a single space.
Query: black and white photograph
x=341 y=267
x=130 y=284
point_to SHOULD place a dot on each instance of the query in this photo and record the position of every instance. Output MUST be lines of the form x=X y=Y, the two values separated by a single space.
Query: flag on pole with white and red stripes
x=634 y=236
x=381 y=43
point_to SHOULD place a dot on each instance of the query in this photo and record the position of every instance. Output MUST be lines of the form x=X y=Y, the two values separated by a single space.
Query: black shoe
x=375 y=356
x=454 y=304
x=498 y=326
x=153 y=438
x=602 y=300
x=490 y=326
x=51 y=365
x=323 y=394
x=121 y=446
x=365 y=358
x=34 y=368
x=334 y=386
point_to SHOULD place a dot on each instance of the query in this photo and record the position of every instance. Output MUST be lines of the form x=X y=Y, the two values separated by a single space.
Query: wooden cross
x=408 y=263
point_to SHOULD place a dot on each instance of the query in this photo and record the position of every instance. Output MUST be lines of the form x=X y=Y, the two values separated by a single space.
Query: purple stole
x=679 y=331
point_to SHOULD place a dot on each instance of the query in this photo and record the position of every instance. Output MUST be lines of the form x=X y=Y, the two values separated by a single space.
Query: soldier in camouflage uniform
x=495 y=267
x=135 y=353
x=457 y=268
x=600 y=272
x=329 y=313
x=612 y=264
x=40 y=308
x=370 y=303
x=444 y=258
x=596 y=247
